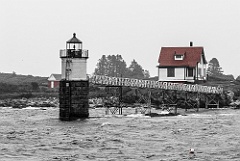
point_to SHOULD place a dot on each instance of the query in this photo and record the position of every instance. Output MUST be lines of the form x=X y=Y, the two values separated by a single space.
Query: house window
x=170 y=72
x=190 y=72
x=178 y=57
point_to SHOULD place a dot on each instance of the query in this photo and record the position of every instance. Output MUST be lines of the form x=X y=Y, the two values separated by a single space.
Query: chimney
x=191 y=43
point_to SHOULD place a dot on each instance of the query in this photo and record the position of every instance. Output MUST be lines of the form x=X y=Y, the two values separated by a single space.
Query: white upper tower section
x=74 y=60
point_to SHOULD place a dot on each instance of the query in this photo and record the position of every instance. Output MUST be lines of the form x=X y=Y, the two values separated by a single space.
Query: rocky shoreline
x=31 y=102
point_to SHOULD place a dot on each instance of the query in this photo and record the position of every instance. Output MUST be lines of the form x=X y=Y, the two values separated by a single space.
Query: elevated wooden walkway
x=139 y=83
x=169 y=93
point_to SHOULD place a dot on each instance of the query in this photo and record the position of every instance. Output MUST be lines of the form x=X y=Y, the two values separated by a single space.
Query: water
x=37 y=134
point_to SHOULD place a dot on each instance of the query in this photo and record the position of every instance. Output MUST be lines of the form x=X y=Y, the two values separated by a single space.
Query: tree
x=214 y=68
x=8 y=88
x=146 y=74
x=136 y=71
x=101 y=66
x=238 y=78
x=14 y=73
x=120 y=65
x=35 y=86
x=115 y=66
x=112 y=65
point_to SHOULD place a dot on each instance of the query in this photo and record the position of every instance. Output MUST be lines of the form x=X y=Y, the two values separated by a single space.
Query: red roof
x=192 y=55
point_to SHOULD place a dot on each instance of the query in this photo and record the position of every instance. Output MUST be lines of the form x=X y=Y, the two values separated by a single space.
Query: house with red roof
x=182 y=64
x=53 y=81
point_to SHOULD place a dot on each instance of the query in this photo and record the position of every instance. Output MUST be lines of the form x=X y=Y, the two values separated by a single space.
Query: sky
x=33 y=31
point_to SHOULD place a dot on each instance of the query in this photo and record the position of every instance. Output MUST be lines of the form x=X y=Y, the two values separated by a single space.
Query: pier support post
x=192 y=101
x=198 y=101
x=212 y=100
x=120 y=101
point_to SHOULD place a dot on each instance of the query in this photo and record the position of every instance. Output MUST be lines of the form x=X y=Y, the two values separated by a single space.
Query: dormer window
x=178 y=57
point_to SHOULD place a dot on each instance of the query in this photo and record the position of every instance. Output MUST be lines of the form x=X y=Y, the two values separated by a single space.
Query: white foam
x=31 y=108
x=164 y=112
x=227 y=114
x=5 y=107
x=105 y=123
x=138 y=115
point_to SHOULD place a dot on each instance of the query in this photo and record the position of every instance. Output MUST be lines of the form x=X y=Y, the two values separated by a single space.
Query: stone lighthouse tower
x=74 y=85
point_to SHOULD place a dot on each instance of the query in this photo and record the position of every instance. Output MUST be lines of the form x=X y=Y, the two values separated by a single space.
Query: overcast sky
x=33 y=31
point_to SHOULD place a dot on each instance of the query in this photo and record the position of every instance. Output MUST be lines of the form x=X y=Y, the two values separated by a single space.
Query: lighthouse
x=74 y=84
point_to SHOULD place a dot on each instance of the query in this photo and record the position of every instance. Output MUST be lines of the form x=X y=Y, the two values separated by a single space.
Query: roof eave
x=172 y=66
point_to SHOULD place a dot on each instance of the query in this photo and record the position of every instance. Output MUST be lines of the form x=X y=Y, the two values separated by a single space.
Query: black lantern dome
x=74 y=39
x=74 y=48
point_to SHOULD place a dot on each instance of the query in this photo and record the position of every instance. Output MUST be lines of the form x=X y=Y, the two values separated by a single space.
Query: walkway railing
x=139 y=83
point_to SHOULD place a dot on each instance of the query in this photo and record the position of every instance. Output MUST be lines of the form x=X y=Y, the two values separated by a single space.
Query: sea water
x=36 y=134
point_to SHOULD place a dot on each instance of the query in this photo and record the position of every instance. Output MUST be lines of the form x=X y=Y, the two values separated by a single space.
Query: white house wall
x=203 y=67
x=179 y=74
x=162 y=74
